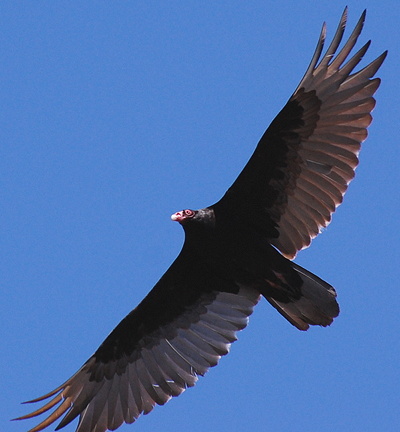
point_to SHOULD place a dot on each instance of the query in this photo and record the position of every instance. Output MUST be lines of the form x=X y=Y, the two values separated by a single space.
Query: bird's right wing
x=180 y=330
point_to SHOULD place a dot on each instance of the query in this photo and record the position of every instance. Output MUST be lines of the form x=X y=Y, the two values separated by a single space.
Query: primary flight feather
x=236 y=251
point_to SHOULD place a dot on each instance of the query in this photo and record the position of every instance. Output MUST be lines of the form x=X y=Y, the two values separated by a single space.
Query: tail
x=317 y=304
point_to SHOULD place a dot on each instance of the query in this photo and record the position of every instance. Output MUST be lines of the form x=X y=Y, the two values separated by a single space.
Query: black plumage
x=236 y=251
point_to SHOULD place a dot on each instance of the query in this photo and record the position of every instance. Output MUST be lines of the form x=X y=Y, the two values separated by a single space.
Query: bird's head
x=203 y=217
x=183 y=216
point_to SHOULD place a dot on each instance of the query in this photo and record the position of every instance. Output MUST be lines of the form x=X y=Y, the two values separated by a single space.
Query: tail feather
x=316 y=306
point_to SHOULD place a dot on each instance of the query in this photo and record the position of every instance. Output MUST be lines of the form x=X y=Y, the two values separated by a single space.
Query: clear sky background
x=116 y=114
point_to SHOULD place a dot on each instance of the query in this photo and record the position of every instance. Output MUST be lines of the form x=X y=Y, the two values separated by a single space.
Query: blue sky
x=117 y=114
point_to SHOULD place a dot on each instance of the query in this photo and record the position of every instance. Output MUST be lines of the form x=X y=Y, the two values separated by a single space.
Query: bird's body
x=213 y=259
x=236 y=251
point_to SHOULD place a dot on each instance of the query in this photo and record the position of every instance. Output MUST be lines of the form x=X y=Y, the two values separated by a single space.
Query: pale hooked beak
x=178 y=216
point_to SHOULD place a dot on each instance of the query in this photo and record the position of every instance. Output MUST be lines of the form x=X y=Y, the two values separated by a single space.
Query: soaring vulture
x=236 y=251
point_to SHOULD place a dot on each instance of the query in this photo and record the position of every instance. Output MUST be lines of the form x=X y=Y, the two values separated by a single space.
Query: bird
x=236 y=251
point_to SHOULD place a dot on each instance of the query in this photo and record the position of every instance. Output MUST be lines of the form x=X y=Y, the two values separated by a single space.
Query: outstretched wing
x=304 y=162
x=180 y=330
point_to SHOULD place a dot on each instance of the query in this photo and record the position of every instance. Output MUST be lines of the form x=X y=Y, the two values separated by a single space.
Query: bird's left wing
x=180 y=330
x=304 y=162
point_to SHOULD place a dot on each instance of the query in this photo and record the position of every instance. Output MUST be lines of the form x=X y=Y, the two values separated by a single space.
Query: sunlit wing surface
x=164 y=364
x=306 y=159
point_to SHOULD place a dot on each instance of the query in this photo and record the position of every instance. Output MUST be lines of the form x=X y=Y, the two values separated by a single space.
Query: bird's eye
x=189 y=213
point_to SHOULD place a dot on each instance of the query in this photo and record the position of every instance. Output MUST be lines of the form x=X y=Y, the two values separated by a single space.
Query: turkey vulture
x=236 y=251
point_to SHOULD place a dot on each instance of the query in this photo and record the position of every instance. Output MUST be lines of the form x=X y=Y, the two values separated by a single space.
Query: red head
x=183 y=216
